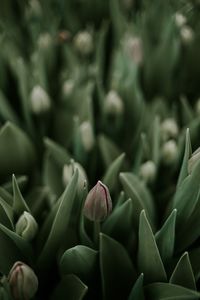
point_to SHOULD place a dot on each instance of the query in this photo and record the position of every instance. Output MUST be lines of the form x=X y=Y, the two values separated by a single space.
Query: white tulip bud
x=87 y=135
x=40 y=101
x=26 y=226
x=169 y=129
x=83 y=42
x=68 y=87
x=44 y=40
x=180 y=19
x=187 y=34
x=133 y=47
x=113 y=104
x=169 y=152
x=148 y=171
x=68 y=171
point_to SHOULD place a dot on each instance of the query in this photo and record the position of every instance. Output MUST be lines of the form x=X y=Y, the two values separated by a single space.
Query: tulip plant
x=99 y=149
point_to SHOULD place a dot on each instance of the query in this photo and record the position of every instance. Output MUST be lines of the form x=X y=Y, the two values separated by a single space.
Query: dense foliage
x=100 y=96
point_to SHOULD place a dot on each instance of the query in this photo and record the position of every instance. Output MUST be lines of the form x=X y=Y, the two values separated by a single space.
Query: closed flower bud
x=26 y=226
x=98 y=204
x=148 y=171
x=68 y=87
x=40 y=101
x=187 y=34
x=44 y=40
x=68 y=171
x=133 y=47
x=87 y=135
x=193 y=160
x=83 y=42
x=169 y=129
x=22 y=281
x=169 y=152
x=113 y=104
x=180 y=19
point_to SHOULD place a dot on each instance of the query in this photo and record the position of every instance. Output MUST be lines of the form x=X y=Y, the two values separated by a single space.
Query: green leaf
x=119 y=225
x=6 y=196
x=168 y=291
x=57 y=152
x=19 y=204
x=187 y=196
x=188 y=151
x=5 y=220
x=116 y=267
x=17 y=153
x=183 y=273
x=52 y=174
x=9 y=253
x=108 y=149
x=80 y=261
x=165 y=238
x=6 y=111
x=111 y=175
x=137 y=292
x=137 y=191
x=156 y=141
x=70 y=288
x=149 y=260
x=9 y=212
x=195 y=262
x=23 y=246
x=60 y=224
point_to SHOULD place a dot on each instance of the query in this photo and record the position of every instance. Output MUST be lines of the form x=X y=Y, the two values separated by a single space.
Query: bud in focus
x=22 y=281
x=26 y=226
x=40 y=101
x=98 y=204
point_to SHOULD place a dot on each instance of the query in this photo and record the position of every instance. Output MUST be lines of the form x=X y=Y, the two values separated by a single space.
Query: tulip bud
x=83 y=42
x=193 y=160
x=40 y=101
x=148 y=171
x=68 y=171
x=169 y=129
x=44 y=40
x=180 y=19
x=22 y=281
x=26 y=226
x=187 y=34
x=133 y=47
x=87 y=135
x=169 y=152
x=68 y=87
x=98 y=204
x=113 y=104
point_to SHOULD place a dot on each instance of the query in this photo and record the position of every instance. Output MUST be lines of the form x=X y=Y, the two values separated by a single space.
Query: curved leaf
x=149 y=260
x=80 y=261
x=60 y=224
x=116 y=267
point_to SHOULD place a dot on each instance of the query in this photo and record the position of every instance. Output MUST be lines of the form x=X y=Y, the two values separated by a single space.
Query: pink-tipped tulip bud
x=23 y=281
x=98 y=203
